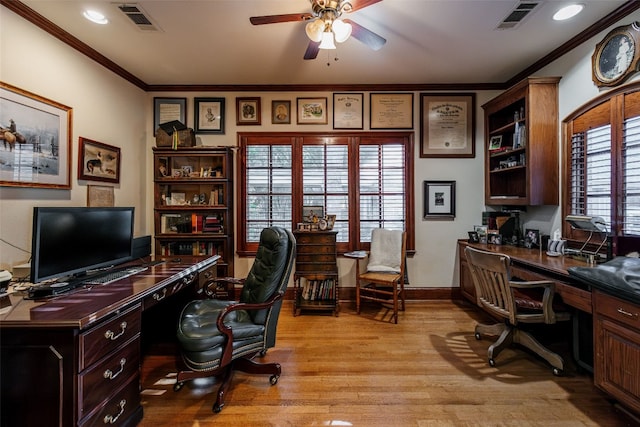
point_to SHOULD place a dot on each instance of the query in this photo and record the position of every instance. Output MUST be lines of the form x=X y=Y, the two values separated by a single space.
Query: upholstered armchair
x=219 y=337
x=514 y=302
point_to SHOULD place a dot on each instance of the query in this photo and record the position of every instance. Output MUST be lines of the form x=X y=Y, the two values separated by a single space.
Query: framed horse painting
x=35 y=140
x=98 y=161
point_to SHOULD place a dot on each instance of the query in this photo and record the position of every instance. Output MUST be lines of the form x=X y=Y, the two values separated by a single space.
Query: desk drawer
x=118 y=410
x=107 y=337
x=98 y=382
x=618 y=310
x=168 y=290
x=572 y=296
x=316 y=239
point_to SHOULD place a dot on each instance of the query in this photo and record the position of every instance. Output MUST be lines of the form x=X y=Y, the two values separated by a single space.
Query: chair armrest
x=226 y=330
x=547 y=297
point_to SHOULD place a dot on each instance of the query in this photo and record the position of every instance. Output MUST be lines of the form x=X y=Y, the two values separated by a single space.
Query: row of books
x=318 y=289
x=192 y=248
x=191 y=223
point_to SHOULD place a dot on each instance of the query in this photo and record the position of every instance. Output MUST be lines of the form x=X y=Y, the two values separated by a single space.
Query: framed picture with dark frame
x=248 y=111
x=209 y=115
x=391 y=110
x=447 y=125
x=42 y=128
x=312 y=213
x=439 y=199
x=615 y=58
x=348 y=110
x=167 y=110
x=281 y=112
x=98 y=161
x=312 y=111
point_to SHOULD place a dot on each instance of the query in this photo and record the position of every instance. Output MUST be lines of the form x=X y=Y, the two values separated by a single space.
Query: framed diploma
x=447 y=125
x=391 y=111
x=347 y=110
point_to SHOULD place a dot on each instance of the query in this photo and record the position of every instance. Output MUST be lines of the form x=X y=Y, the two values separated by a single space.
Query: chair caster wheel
x=492 y=362
x=274 y=379
x=217 y=408
x=478 y=337
x=177 y=386
x=557 y=372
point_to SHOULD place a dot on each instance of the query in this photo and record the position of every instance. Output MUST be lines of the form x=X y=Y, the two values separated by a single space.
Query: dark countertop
x=619 y=277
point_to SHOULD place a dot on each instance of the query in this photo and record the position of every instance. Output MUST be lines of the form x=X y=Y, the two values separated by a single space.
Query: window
x=603 y=163
x=366 y=180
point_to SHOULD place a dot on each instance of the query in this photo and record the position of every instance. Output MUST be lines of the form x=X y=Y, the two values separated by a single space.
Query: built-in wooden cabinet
x=193 y=203
x=316 y=278
x=521 y=144
x=617 y=348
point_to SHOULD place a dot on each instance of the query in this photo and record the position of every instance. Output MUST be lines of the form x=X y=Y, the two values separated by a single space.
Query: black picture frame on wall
x=167 y=110
x=209 y=115
x=439 y=200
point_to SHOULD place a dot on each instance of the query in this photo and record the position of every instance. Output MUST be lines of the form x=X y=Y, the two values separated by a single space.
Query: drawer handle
x=110 y=419
x=108 y=374
x=112 y=336
x=628 y=314
x=158 y=297
x=208 y=275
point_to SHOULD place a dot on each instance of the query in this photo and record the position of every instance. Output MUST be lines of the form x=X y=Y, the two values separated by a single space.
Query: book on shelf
x=212 y=224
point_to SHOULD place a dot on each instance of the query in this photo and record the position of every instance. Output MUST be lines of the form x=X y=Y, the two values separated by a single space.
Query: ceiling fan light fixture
x=327 y=41
x=314 y=30
x=342 y=30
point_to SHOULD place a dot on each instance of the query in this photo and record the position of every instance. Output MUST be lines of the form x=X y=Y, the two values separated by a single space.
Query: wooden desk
x=532 y=264
x=74 y=360
x=615 y=338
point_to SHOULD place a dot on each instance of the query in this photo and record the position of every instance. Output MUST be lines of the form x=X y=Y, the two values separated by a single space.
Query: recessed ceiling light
x=96 y=17
x=568 y=12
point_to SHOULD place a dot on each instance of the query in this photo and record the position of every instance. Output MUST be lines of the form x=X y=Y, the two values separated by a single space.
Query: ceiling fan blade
x=275 y=19
x=367 y=37
x=312 y=50
x=361 y=4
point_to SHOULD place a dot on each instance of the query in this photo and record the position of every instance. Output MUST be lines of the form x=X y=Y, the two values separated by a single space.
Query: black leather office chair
x=219 y=337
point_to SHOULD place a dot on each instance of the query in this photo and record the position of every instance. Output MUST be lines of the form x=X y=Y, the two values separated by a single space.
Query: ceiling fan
x=324 y=26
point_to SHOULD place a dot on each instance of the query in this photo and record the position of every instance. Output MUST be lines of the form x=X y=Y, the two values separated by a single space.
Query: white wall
x=105 y=107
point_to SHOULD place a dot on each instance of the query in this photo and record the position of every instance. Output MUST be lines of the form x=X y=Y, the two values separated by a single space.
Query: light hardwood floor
x=428 y=370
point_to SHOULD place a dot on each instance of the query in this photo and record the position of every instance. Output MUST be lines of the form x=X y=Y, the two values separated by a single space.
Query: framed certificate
x=348 y=110
x=391 y=111
x=447 y=125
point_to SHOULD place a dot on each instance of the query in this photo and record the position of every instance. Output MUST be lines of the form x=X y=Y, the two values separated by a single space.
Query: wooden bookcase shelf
x=524 y=119
x=193 y=203
x=315 y=281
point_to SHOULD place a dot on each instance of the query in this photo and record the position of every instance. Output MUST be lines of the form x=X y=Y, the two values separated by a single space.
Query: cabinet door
x=617 y=349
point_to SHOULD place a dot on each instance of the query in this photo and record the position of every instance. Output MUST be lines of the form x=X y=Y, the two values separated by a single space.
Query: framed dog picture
x=98 y=161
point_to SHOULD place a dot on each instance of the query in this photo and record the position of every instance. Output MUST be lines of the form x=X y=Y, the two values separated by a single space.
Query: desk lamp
x=592 y=224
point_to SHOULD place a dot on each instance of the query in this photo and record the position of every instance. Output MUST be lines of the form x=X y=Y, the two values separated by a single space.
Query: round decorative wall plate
x=616 y=56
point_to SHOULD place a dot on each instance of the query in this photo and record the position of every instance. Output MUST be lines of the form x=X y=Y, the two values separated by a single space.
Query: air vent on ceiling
x=517 y=14
x=138 y=17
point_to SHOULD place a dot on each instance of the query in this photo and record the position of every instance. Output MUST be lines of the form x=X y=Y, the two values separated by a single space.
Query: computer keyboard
x=112 y=276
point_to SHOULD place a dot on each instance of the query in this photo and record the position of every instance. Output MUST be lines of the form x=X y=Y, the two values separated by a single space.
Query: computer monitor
x=69 y=241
